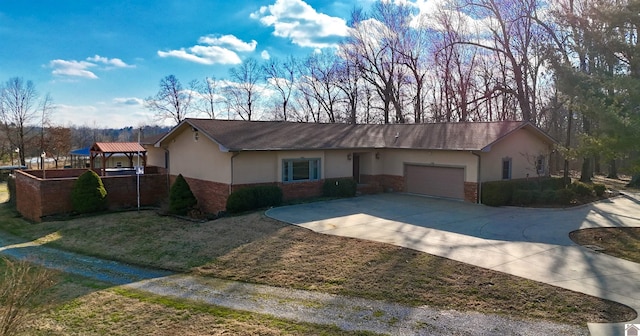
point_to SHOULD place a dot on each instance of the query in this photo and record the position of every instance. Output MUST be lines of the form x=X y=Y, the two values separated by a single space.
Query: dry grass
x=618 y=242
x=295 y=257
x=119 y=312
x=257 y=249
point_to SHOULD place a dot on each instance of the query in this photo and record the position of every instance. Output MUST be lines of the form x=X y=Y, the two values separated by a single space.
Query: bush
x=266 y=196
x=88 y=194
x=522 y=197
x=497 y=193
x=565 y=196
x=181 y=199
x=581 y=189
x=11 y=186
x=343 y=187
x=635 y=181
x=251 y=198
x=599 y=188
x=549 y=197
x=553 y=183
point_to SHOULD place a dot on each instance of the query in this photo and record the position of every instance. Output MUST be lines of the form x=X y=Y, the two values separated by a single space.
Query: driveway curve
x=530 y=243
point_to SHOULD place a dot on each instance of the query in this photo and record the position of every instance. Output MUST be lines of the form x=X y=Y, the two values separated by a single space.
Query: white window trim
x=286 y=165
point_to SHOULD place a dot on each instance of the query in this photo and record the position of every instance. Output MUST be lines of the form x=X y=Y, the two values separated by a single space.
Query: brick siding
x=471 y=192
x=211 y=196
x=37 y=197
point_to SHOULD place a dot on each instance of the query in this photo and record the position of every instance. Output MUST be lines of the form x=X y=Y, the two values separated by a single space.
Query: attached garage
x=435 y=181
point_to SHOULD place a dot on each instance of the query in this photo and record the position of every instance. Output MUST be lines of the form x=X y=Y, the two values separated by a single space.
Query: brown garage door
x=435 y=181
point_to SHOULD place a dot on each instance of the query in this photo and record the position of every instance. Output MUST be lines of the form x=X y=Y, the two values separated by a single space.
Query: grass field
x=257 y=249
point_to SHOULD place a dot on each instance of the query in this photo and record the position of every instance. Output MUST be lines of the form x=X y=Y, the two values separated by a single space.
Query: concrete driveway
x=530 y=243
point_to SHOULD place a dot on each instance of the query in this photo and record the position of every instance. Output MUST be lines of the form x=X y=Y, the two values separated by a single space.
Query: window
x=300 y=170
x=540 y=167
x=506 y=168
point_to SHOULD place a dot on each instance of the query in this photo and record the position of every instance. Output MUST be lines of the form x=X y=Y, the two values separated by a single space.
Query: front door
x=356 y=167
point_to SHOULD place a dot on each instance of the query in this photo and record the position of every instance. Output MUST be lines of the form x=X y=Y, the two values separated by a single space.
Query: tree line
x=571 y=67
x=26 y=130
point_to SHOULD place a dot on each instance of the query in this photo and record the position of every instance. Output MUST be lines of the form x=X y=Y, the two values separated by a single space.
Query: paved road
x=530 y=243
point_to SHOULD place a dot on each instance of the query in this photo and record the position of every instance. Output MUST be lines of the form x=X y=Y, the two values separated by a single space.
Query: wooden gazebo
x=104 y=150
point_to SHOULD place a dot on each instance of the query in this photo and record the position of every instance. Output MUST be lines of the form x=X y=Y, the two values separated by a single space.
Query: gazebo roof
x=117 y=147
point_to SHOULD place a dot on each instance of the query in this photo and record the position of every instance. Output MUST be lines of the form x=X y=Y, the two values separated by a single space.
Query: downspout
x=231 y=184
x=479 y=180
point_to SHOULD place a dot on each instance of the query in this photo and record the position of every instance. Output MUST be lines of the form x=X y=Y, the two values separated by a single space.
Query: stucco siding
x=201 y=159
x=523 y=148
x=255 y=167
x=393 y=161
x=338 y=163
x=155 y=156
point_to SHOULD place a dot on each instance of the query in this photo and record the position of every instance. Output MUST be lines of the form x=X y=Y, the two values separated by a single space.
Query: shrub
x=23 y=287
x=88 y=194
x=549 y=197
x=522 y=197
x=267 y=195
x=565 y=196
x=181 y=199
x=581 y=189
x=553 y=183
x=11 y=187
x=250 y=198
x=343 y=187
x=497 y=193
x=524 y=184
x=599 y=188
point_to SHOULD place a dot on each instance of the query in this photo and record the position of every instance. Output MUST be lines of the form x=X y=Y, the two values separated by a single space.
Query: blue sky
x=100 y=59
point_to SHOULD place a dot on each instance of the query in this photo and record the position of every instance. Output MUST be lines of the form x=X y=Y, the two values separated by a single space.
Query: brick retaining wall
x=37 y=197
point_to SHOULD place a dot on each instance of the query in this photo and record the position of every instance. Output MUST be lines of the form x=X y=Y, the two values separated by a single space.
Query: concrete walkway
x=530 y=243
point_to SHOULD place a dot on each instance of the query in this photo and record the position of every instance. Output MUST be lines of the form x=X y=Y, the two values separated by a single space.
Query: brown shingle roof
x=237 y=135
x=117 y=147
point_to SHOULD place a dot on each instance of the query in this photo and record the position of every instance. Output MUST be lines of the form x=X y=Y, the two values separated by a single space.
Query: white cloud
x=265 y=55
x=73 y=68
x=94 y=115
x=298 y=21
x=129 y=101
x=114 y=62
x=229 y=41
x=213 y=50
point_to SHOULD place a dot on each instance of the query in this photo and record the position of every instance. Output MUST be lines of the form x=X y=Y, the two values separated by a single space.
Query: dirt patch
x=618 y=242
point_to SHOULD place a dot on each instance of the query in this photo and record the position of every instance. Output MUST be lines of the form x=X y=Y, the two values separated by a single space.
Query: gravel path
x=347 y=313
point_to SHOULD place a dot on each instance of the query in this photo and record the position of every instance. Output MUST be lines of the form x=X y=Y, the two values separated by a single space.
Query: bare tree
x=20 y=107
x=172 y=101
x=372 y=47
x=209 y=98
x=281 y=76
x=245 y=90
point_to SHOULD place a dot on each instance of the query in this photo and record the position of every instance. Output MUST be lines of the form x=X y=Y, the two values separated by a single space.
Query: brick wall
x=296 y=190
x=386 y=183
x=471 y=192
x=36 y=197
x=211 y=196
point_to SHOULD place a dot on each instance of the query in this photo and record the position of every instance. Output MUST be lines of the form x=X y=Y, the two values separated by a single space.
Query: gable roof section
x=117 y=147
x=238 y=135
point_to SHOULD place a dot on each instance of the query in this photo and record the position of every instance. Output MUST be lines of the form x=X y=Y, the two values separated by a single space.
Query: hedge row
x=526 y=192
x=251 y=198
x=341 y=187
